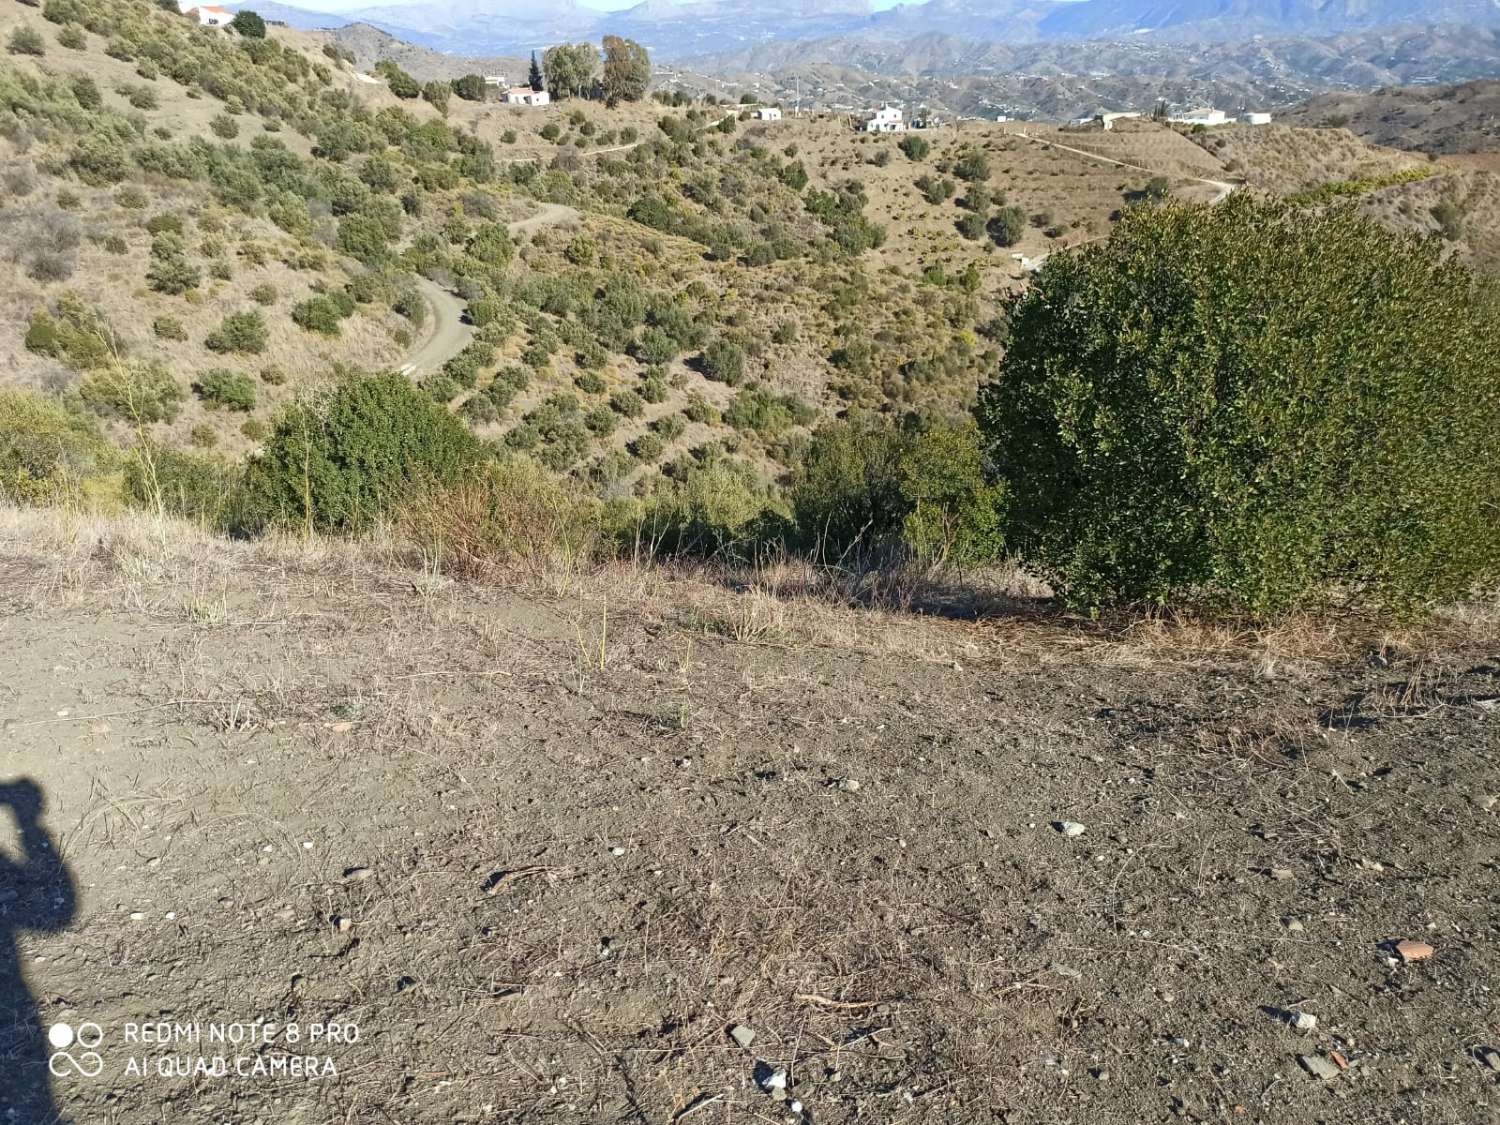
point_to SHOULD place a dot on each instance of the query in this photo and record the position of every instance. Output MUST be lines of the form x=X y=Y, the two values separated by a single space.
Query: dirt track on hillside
x=574 y=838
x=451 y=333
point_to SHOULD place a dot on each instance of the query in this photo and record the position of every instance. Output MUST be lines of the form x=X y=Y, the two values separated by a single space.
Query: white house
x=886 y=119
x=1255 y=119
x=1105 y=118
x=525 y=95
x=208 y=16
x=1205 y=117
x=768 y=113
x=495 y=80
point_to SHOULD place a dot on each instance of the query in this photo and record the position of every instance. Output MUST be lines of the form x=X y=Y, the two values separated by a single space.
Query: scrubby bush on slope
x=337 y=464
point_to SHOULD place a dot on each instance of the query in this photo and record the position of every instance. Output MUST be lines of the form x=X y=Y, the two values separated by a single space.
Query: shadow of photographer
x=36 y=894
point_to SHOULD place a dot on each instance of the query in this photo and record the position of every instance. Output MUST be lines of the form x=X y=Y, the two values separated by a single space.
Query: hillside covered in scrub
x=634 y=611
x=678 y=324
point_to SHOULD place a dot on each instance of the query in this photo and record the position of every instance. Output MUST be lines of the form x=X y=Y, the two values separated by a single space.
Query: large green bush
x=339 y=463
x=1252 y=407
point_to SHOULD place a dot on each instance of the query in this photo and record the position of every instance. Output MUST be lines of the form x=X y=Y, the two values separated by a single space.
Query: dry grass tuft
x=1001 y=614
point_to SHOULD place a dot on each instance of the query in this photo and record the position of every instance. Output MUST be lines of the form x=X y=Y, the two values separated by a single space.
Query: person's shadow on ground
x=36 y=894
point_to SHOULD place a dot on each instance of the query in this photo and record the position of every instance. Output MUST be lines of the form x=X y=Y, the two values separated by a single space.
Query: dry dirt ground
x=534 y=851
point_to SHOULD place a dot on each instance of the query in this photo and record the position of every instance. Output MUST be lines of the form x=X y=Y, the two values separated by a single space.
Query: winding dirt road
x=451 y=332
x=1225 y=188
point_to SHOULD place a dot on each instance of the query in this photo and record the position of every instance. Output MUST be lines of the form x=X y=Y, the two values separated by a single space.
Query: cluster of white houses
x=1206 y=117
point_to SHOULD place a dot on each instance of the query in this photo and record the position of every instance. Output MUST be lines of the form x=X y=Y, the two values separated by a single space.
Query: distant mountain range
x=953 y=75
x=673 y=30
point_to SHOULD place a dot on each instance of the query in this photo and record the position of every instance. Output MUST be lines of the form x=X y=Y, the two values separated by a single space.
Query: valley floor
x=536 y=851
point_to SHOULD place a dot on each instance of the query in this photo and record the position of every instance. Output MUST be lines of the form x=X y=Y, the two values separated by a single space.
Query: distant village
x=1208 y=118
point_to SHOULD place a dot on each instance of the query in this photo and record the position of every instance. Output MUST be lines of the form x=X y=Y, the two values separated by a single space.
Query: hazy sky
x=603 y=5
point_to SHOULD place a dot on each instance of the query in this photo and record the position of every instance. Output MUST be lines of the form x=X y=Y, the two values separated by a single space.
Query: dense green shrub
x=249 y=24
x=47 y=451
x=26 y=40
x=724 y=361
x=915 y=147
x=866 y=485
x=648 y=447
x=972 y=166
x=86 y=92
x=758 y=410
x=952 y=512
x=403 y=85
x=971 y=226
x=243 y=333
x=170 y=272
x=139 y=393
x=470 y=87
x=195 y=486
x=627 y=403
x=1007 y=226
x=231 y=390
x=100 y=160
x=1253 y=407
x=436 y=95
x=317 y=314
x=338 y=463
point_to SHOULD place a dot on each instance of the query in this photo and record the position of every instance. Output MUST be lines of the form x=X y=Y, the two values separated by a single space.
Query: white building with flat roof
x=1205 y=117
x=525 y=95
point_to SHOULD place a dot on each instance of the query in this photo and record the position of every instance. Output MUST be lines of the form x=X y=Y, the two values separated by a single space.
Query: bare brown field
x=540 y=846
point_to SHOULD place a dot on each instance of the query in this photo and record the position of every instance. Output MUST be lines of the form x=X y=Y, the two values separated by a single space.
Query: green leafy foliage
x=47 y=451
x=1008 y=226
x=470 y=87
x=137 y=393
x=319 y=314
x=916 y=148
x=194 y=486
x=866 y=486
x=249 y=24
x=724 y=361
x=26 y=40
x=338 y=463
x=225 y=389
x=243 y=333
x=1252 y=407
x=627 y=70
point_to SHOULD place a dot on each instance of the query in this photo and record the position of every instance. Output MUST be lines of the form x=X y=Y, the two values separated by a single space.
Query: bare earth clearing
x=577 y=831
